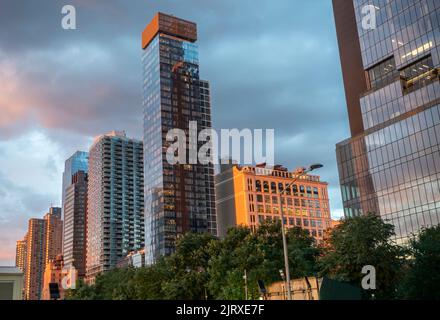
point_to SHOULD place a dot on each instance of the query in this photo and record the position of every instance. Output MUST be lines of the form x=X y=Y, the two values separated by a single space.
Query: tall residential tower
x=115 y=203
x=390 y=56
x=179 y=198
x=75 y=223
x=79 y=161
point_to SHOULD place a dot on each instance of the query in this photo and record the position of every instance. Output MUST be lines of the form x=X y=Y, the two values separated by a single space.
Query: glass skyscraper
x=391 y=164
x=79 y=161
x=178 y=198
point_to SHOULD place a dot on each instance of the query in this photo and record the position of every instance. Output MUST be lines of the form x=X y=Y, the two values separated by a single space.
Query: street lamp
x=283 y=231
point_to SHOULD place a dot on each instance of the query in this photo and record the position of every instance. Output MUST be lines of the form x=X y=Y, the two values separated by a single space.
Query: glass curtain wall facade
x=391 y=165
x=178 y=198
x=79 y=161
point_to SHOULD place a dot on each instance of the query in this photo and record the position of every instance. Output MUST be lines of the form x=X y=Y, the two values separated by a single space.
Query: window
x=266 y=186
x=418 y=74
x=382 y=74
x=288 y=192
x=259 y=198
x=258 y=185
x=280 y=187
x=273 y=187
x=295 y=190
x=250 y=184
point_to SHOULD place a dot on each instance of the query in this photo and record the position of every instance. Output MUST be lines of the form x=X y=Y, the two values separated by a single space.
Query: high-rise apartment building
x=43 y=243
x=179 y=198
x=115 y=203
x=79 y=161
x=75 y=223
x=35 y=259
x=20 y=254
x=54 y=234
x=390 y=63
x=249 y=196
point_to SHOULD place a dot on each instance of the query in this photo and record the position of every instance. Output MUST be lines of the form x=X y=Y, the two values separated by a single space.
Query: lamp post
x=283 y=231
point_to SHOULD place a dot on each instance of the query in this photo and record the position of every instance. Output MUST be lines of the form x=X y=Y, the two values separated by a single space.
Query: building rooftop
x=169 y=25
x=10 y=271
x=114 y=133
x=276 y=171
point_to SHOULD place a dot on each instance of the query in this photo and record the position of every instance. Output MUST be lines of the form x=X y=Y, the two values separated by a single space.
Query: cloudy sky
x=271 y=64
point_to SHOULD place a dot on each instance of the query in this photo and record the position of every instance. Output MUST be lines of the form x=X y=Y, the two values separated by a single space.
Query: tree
x=422 y=280
x=116 y=284
x=148 y=281
x=188 y=268
x=260 y=253
x=359 y=242
x=303 y=253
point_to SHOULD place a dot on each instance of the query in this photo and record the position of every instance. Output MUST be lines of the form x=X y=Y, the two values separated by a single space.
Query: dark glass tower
x=178 y=198
x=75 y=223
x=79 y=161
x=391 y=164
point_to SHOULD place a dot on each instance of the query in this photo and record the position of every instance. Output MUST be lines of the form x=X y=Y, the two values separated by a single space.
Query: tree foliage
x=362 y=241
x=422 y=280
x=204 y=267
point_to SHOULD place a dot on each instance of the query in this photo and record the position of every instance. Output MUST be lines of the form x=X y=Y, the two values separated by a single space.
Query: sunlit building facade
x=20 y=254
x=35 y=259
x=53 y=276
x=178 y=198
x=249 y=196
x=115 y=203
x=54 y=234
x=391 y=164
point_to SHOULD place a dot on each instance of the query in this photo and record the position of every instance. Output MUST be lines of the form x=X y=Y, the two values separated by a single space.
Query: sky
x=271 y=64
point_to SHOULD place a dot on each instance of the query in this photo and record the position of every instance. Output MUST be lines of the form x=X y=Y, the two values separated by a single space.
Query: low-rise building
x=11 y=283
x=251 y=195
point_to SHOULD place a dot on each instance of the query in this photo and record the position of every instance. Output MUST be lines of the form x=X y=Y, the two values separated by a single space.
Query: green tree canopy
x=361 y=241
x=422 y=280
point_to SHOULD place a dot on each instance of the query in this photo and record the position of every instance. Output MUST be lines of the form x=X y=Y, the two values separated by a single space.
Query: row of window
x=298 y=222
x=277 y=188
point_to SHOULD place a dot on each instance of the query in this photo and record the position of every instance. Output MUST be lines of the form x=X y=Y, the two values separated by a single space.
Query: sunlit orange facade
x=251 y=195
x=35 y=263
x=170 y=25
x=20 y=254
x=54 y=234
x=53 y=274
